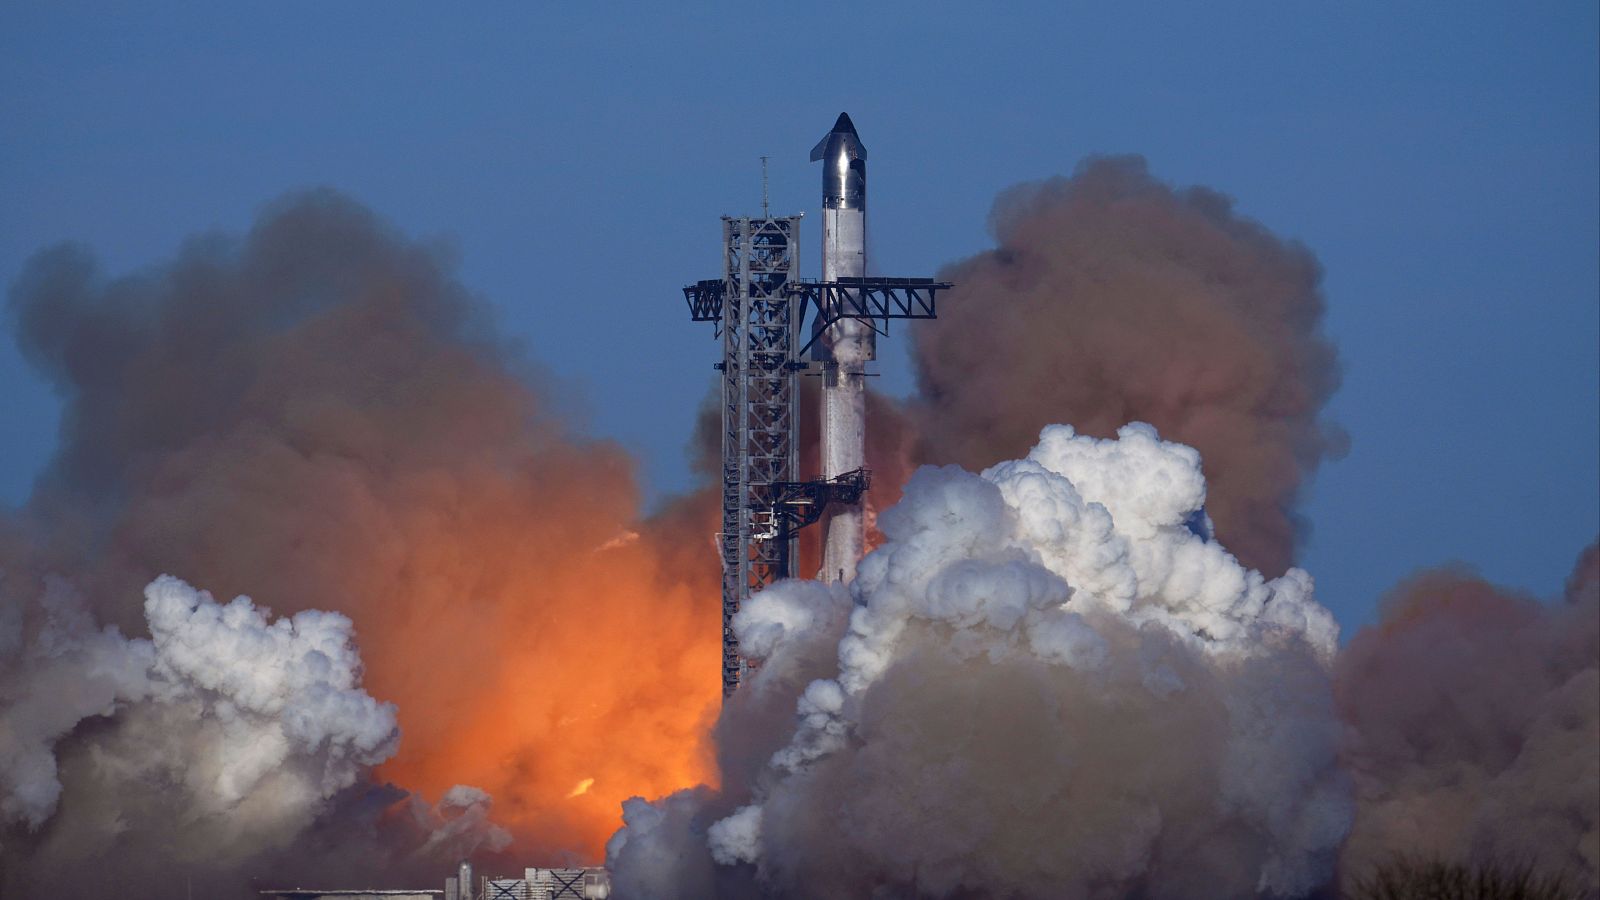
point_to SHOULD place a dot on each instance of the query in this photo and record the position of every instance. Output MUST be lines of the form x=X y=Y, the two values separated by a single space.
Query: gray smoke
x=1045 y=683
x=226 y=735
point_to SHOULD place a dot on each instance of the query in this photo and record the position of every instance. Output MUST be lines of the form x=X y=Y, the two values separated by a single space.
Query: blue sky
x=1442 y=160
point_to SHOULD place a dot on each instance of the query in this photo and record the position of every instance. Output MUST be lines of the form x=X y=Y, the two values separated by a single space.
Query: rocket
x=848 y=344
x=761 y=306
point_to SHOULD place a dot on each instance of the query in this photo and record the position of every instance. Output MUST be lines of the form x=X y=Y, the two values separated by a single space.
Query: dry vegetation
x=1410 y=879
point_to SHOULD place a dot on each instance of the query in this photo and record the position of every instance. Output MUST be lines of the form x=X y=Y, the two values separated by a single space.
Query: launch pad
x=762 y=308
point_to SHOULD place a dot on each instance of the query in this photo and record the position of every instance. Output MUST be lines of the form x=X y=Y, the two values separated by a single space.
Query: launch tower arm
x=871 y=300
x=705 y=299
x=795 y=504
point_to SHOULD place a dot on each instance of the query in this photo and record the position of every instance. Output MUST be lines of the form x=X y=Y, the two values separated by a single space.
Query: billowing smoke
x=318 y=415
x=1047 y=681
x=1475 y=725
x=1111 y=297
x=229 y=730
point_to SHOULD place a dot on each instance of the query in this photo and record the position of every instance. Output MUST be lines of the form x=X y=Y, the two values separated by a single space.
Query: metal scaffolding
x=758 y=321
x=760 y=308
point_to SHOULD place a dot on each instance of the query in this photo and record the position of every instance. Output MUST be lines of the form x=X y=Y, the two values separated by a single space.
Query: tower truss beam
x=757 y=320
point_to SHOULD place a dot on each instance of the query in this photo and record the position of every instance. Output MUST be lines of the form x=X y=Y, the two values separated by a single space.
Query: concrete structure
x=460 y=886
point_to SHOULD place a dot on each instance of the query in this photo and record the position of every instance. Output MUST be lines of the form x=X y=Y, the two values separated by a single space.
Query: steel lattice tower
x=760 y=412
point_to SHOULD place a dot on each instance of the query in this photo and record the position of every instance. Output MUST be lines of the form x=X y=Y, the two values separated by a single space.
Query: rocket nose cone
x=848 y=140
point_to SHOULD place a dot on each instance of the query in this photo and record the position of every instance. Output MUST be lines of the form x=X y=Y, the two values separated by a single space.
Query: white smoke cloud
x=62 y=673
x=459 y=824
x=247 y=724
x=1051 y=683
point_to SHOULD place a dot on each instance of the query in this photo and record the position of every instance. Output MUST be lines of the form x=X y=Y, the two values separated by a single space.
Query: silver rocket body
x=848 y=345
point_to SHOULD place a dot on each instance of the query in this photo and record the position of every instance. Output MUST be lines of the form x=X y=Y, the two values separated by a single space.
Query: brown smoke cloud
x=1474 y=716
x=320 y=416
x=1111 y=297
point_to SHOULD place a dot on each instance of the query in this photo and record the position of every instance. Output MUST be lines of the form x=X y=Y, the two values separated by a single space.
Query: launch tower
x=762 y=308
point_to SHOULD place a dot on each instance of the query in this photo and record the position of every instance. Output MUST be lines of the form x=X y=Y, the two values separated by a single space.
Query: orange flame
x=532 y=650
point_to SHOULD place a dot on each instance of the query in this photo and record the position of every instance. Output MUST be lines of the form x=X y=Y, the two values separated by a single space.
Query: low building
x=591 y=883
x=352 y=894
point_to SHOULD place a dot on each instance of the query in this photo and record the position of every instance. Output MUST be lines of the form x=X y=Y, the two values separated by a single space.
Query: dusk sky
x=1442 y=161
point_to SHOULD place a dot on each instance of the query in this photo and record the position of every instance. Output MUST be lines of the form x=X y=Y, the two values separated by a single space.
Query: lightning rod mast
x=762 y=309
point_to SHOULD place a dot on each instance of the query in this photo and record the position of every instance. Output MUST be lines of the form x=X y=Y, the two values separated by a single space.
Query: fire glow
x=585 y=682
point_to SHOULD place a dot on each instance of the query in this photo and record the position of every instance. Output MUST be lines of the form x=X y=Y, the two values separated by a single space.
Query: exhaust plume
x=1474 y=718
x=318 y=415
x=1110 y=298
x=1050 y=679
x=1046 y=682
x=225 y=732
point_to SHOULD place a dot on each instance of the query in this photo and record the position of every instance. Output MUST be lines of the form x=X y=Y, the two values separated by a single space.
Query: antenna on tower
x=766 y=208
x=762 y=310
